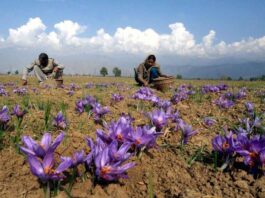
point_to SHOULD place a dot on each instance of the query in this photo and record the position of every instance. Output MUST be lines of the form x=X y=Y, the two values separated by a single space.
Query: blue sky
x=123 y=32
x=233 y=20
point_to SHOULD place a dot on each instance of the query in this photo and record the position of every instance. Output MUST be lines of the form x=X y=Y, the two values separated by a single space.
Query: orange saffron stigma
x=48 y=170
x=105 y=170
x=138 y=141
x=225 y=145
x=119 y=137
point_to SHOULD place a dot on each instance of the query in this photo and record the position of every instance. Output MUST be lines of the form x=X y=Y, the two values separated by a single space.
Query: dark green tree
x=179 y=76
x=104 y=71
x=16 y=72
x=240 y=78
x=116 y=71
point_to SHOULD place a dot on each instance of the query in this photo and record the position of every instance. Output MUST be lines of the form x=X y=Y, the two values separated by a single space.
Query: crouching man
x=44 y=68
x=147 y=71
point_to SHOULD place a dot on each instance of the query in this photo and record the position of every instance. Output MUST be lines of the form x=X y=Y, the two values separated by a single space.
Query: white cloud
x=208 y=39
x=27 y=34
x=65 y=38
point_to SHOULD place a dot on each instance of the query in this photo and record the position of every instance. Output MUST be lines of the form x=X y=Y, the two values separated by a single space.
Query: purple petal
x=63 y=166
x=57 y=141
x=36 y=167
x=46 y=141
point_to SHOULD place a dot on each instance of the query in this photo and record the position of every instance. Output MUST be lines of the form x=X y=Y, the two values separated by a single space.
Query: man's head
x=151 y=59
x=43 y=58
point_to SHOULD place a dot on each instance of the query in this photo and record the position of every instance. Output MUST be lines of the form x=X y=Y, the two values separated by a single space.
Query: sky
x=86 y=34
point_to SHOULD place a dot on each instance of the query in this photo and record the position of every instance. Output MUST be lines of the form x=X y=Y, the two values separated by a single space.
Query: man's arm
x=140 y=73
x=159 y=72
x=27 y=70
x=57 y=66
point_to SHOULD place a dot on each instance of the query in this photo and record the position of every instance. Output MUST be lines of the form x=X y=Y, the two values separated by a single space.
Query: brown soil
x=163 y=172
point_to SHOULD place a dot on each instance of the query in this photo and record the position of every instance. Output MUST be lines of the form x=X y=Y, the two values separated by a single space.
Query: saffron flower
x=119 y=154
x=187 y=132
x=59 y=121
x=209 y=121
x=108 y=169
x=144 y=137
x=158 y=119
x=249 y=107
x=46 y=145
x=77 y=158
x=253 y=151
x=144 y=93
x=3 y=92
x=118 y=131
x=20 y=91
x=224 y=144
x=79 y=106
x=18 y=112
x=45 y=170
x=108 y=159
x=89 y=85
x=99 y=111
x=223 y=102
x=4 y=117
x=116 y=97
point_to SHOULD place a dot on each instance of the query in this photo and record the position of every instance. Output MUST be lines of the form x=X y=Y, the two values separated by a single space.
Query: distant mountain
x=246 y=70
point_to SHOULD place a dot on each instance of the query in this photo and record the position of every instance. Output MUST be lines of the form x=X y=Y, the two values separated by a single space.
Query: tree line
x=116 y=71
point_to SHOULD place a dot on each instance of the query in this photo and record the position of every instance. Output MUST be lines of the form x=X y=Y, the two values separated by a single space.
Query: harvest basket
x=163 y=83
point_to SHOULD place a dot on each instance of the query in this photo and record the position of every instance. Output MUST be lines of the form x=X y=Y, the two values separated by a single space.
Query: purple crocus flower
x=4 y=117
x=73 y=86
x=143 y=137
x=175 y=116
x=59 y=121
x=89 y=85
x=18 y=112
x=79 y=106
x=116 y=97
x=187 y=132
x=45 y=170
x=20 y=91
x=158 y=118
x=119 y=154
x=77 y=158
x=89 y=100
x=249 y=125
x=35 y=90
x=70 y=92
x=154 y=99
x=99 y=111
x=3 y=92
x=241 y=94
x=116 y=131
x=144 y=93
x=223 y=102
x=40 y=150
x=249 y=106
x=222 y=86
x=214 y=88
x=252 y=150
x=224 y=144
x=209 y=121
x=164 y=104
x=107 y=169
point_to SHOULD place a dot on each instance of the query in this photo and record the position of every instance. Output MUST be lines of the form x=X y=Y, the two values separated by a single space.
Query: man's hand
x=24 y=82
x=55 y=69
x=145 y=83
